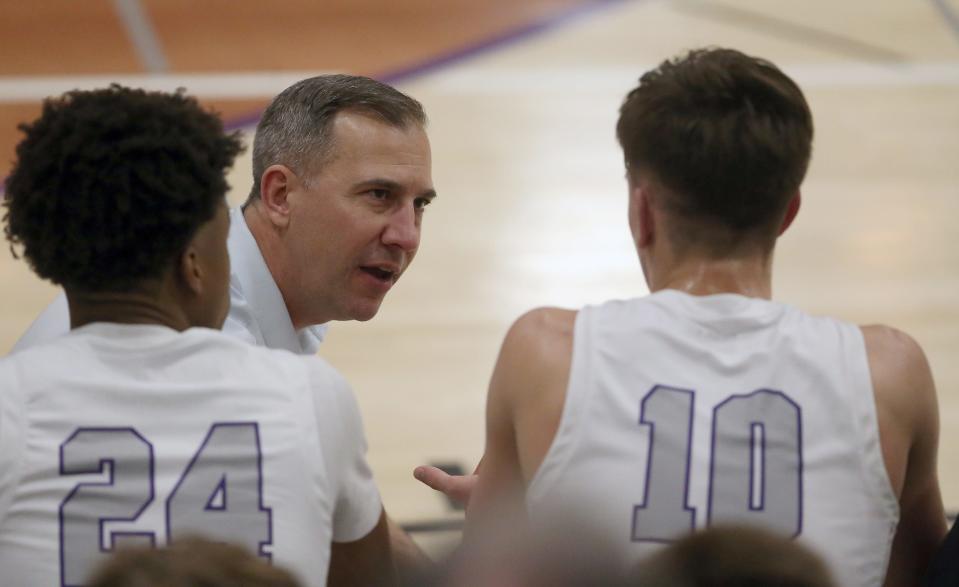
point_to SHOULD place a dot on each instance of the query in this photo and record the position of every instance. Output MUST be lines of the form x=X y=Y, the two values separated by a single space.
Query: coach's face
x=354 y=226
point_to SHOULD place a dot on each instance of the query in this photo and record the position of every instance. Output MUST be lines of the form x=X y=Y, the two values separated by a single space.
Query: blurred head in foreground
x=734 y=556
x=191 y=562
x=504 y=550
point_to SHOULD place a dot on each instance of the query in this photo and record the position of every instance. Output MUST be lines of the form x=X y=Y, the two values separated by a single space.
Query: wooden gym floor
x=522 y=98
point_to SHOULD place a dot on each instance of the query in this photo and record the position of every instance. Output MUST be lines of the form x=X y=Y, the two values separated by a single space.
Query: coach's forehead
x=358 y=138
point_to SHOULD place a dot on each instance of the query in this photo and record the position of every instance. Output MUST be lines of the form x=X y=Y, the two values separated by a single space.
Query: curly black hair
x=110 y=185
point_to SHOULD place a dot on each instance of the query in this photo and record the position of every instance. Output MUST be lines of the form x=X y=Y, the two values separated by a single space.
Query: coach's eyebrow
x=392 y=185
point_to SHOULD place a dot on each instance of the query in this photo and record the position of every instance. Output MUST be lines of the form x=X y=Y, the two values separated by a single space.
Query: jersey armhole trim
x=578 y=391
x=874 y=471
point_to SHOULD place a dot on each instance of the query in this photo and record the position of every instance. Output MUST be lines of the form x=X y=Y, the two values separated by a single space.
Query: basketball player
x=144 y=424
x=706 y=402
x=341 y=176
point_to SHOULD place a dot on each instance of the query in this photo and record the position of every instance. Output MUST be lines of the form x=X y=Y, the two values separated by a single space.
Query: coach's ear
x=791 y=210
x=276 y=183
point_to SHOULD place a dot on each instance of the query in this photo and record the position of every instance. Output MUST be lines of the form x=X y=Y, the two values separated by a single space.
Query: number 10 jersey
x=684 y=412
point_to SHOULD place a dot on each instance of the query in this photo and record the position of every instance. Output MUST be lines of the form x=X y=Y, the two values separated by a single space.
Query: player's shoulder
x=10 y=365
x=225 y=346
x=321 y=373
x=243 y=358
x=887 y=335
x=47 y=352
x=545 y=323
x=540 y=340
x=333 y=399
x=893 y=351
x=318 y=374
x=901 y=377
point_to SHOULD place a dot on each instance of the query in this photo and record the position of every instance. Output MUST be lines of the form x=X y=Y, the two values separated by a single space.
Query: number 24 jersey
x=119 y=435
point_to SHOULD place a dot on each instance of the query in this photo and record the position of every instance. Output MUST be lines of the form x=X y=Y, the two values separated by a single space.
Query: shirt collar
x=263 y=297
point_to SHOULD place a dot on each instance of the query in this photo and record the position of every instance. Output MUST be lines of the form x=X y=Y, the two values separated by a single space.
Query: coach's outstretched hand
x=457 y=488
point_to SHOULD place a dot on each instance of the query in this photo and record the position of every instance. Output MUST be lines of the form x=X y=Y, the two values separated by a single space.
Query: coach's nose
x=403 y=229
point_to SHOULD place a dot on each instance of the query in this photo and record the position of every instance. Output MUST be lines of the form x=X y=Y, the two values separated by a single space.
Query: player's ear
x=641 y=215
x=276 y=184
x=190 y=269
x=791 y=210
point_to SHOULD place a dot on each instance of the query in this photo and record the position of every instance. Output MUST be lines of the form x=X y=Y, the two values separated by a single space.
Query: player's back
x=684 y=412
x=119 y=434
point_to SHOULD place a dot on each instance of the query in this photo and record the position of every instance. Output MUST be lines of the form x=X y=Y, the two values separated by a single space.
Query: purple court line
x=510 y=37
x=505 y=39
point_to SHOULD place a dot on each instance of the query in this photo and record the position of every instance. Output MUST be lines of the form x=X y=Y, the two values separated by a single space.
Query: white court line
x=478 y=80
x=496 y=79
x=204 y=85
x=919 y=74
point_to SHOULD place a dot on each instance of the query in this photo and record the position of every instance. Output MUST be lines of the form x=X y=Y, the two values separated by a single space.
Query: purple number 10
x=755 y=464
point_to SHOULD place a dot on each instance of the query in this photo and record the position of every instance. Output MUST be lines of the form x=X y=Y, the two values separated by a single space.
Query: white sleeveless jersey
x=119 y=435
x=684 y=412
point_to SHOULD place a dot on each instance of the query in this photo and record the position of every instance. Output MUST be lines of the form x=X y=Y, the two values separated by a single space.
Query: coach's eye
x=379 y=194
x=421 y=203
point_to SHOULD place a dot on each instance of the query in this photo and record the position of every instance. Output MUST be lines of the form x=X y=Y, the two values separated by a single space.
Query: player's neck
x=748 y=276
x=124 y=308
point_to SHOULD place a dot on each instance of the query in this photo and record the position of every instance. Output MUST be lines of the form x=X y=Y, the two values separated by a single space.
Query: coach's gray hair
x=295 y=128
